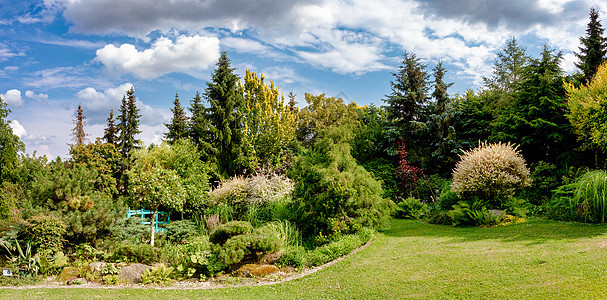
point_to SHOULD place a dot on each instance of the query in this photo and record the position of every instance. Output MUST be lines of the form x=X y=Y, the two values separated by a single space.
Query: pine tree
x=440 y=89
x=178 y=128
x=409 y=94
x=593 y=49
x=110 y=133
x=508 y=69
x=78 y=134
x=225 y=118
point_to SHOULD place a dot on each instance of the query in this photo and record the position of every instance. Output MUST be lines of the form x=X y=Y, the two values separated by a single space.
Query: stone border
x=194 y=286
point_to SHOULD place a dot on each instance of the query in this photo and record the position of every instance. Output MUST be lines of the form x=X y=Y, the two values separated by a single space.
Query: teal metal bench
x=144 y=212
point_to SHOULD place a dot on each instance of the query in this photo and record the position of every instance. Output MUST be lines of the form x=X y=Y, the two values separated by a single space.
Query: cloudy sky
x=57 y=54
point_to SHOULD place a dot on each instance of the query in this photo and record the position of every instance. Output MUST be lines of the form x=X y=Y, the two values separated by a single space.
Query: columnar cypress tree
x=409 y=92
x=110 y=133
x=78 y=134
x=225 y=118
x=594 y=47
x=178 y=128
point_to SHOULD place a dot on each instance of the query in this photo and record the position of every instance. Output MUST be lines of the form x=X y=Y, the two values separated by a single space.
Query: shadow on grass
x=536 y=232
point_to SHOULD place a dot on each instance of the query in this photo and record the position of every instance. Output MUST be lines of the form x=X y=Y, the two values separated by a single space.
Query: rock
x=76 y=281
x=97 y=266
x=132 y=273
x=270 y=258
x=253 y=270
x=69 y=273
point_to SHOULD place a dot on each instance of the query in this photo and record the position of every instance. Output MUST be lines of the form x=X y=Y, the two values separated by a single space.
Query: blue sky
x=58 y=54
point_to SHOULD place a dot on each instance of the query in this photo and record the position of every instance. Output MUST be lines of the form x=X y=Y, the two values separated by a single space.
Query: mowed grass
x=535 y=260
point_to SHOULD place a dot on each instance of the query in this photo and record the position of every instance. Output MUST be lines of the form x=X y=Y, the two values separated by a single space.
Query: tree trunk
x=153 y=226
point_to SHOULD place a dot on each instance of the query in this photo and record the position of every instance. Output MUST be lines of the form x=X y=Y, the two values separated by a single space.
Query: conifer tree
x=440 y=89
x=110 y=132
x=292 y=103
x=78 y=134
x=225 y=118
x=409 y=94
x=128 y=126
x=200 y=129
x=178 y=128
x=508 y=69
x=593 y=49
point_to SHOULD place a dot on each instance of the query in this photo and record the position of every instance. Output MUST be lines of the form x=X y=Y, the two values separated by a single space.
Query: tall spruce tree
x=178 y=128
x=200 y=130
x=593 y=49
x=129 y=125
x=409 y=94
x=78 y=134
x=225 y=116
x=110 y=133
x=440 y=95
x=508 y=70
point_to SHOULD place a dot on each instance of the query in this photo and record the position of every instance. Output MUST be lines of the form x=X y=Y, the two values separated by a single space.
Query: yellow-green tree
x=269 y=124
x=588 y=110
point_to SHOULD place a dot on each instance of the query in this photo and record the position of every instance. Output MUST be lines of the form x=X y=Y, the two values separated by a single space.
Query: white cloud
x=65 y=77
x=12 y=97
x=568 y=63
x=187 y=54
x=244 y=45
x=33 y=95
x=18 y=129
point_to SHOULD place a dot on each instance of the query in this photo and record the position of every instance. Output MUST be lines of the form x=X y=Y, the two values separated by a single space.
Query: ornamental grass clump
x=491 y=172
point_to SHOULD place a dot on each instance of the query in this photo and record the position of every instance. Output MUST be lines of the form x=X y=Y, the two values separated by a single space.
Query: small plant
x=293 y=257
x=109 y=269
x=492 y=172
x=180 y=231
x=411 y=208
x=111 y=279
x=228 y=230
x=46 y=233
x=25 y=261
x=160 y=275
x=583 y=200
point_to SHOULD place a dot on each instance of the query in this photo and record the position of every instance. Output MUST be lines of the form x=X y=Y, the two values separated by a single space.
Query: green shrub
x=583 y=200
x=140 y=253
x=228 y=230
x=493 y=172
x=292 y=257
x=410 y=208
x=160 y=275
x=130 y=230
x=339 y=247
x=448 y=198
x=111 y=279
x=437 y=215
x=385 y=172
x=333 y=193
x=109 y=269
x=428 y=189
x=180 y=231
x=231 y=252
x=45 y=233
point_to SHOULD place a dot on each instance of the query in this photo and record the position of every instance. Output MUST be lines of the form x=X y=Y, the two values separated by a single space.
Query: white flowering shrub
x=492 y=172
x=259 y=189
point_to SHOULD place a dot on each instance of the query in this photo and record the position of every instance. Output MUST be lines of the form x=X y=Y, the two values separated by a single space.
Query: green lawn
x=541 y=260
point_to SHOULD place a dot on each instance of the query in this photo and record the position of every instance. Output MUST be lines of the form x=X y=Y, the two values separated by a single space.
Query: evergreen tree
x=78 y=134
x=110 y=133
x=292 y=103
x=178 y=128
x=409 y=94
x=200 y=129
x=224 y=113
x=593 y=49
x=507 y=71
x=129 y=125
x=440 y=89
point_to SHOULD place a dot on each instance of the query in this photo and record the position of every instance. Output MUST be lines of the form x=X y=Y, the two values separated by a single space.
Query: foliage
x=292 y=257
x=24 y=261
x=384 y=171
x=269 y=125
x=407 y=173
x=448 y=198
x=46 y=233
x=284 y=231
x=52 y=264
x=583 y=200
x=333 y=193
x=111 y=279
x=536 y=117
x=160 y=275
x=429 y=188
x=139 y=253
x=340 y=246
x=178 y=128
x=410 y=208
x=110 y=132
x=492 y=172
x=594 y=47
x=181 y=231
x=507 y=70
x=588 y=110
x=102 y=157
x=9 y=144
x=225 y=231
x=409 y=94
x=128 y=126
x=225 y=120
x=323 y=112
x=129 y=230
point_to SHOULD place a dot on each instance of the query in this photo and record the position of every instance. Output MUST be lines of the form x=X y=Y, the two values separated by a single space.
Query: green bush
x=140 y=253
x=292 y=257
x=130 y=230
x=160 y=275
x=284 y=231
x=333 y=193
x=180 y=231
x=448 y=198
x=583 y=200
x=493 y=172
x=410 y=208
x=341 y=246
x=428 y=189
x=228 y=230
x=45 y=233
